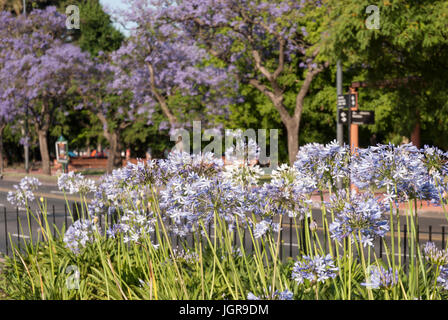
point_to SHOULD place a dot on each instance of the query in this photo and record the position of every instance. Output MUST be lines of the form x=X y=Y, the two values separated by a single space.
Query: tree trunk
x=2 y=128
x=44 y=151
x=89 y=151
x=292 y=131
x=415 y=135
x=114 y=157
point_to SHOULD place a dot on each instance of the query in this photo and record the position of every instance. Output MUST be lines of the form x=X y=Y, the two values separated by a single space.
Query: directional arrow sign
x=363 y=117
x=343 y=116
x=352 y=99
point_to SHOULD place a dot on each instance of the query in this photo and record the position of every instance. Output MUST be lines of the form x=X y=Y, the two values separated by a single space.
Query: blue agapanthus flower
x=81 y=233
x=380 y=278
x=323 y=164
x=403 y=170
x=286 y=193
x=75 y=183
x=317 y=269
x=434 y=255
x=24 y=192
x=133 y=226
x=362 y=217
x=442 y=279
x=278 y=295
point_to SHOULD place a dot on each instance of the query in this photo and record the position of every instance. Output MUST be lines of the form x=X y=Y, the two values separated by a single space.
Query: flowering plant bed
x=181 y=228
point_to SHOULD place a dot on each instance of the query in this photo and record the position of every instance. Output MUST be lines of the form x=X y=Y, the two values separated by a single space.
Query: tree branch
x=166 y=111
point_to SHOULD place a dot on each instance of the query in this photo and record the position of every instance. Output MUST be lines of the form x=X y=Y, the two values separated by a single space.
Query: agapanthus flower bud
x=435 y=256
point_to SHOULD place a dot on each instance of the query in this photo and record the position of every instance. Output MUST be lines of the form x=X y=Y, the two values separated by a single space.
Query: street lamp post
x=339 y=126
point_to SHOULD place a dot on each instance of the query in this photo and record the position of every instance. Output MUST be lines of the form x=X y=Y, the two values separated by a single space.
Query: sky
x=116 y=4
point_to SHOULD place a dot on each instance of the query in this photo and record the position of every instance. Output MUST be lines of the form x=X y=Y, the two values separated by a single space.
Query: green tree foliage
x=410 y=50
x=97 y=32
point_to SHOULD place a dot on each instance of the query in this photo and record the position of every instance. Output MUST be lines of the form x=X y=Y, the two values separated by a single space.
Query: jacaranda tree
x=49 y=67
x=167 y=70
x=271 y=45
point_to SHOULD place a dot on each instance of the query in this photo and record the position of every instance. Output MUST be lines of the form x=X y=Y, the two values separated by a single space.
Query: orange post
x=354 y=133
x=354 y=128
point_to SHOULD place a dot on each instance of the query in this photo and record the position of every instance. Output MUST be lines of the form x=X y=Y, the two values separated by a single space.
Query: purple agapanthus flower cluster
x=142 y=173
x=182 y=164
x=24 y=192
x=81 y=233
x=362 y=217
x=263 y=227
x=314 y=269
x=188 y=256
x=242 y=152
x=191 y=189
x=277 y=295
x=380 y=278
x=434 y=255
x=246 y=176
x=74 y=183
x=194 y=199
x=438 y=258
x=442 y=279
x=399 y=169
x=323 y=164
x=285 y=194
x=436 y=163
x=126 y=187
x=133 y=226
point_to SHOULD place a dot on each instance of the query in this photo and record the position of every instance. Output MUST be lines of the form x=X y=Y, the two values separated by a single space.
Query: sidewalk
x=15 y=175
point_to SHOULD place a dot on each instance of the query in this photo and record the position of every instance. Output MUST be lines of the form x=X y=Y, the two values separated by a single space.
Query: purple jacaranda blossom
x=34 y=47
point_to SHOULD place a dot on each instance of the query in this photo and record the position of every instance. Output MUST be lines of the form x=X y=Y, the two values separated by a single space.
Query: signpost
x=62 y=153
x=346 y=101
x=349 y=114
x=363 y=117
x=343 y=116
x=356 y=117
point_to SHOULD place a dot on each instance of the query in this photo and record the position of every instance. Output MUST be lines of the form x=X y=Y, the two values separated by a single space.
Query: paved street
x=57 y=214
